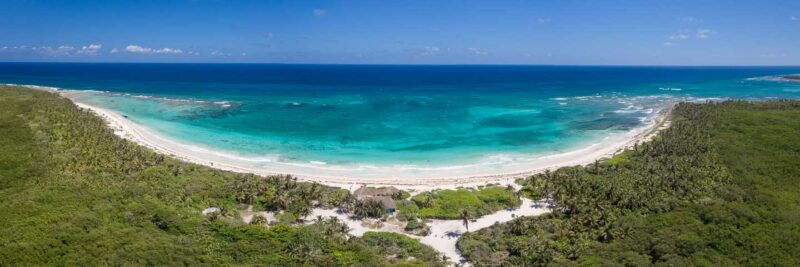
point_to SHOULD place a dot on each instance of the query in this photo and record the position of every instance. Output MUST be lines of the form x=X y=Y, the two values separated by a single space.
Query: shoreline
x=127 y=129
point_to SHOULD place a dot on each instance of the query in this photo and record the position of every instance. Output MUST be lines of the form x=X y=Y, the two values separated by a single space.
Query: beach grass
x=450 y=204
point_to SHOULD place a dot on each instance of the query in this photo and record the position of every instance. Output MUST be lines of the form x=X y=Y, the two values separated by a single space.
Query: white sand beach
x=417 y=179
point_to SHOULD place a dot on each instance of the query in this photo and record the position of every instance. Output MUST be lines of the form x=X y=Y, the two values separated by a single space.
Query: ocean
x=395 y=116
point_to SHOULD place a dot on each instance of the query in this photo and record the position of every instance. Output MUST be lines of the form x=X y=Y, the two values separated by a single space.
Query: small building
x=384 y=195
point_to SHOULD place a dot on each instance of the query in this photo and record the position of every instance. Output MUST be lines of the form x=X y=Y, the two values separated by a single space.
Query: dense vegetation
x=73 y=193
x=452 y=204
x=720 y=187
x=282 y=193
x=394 y=245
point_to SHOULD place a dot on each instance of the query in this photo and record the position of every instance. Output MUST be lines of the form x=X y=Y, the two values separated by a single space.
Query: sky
x=564 y=32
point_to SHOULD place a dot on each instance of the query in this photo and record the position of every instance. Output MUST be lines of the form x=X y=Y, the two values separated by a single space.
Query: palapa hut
x=384 y=195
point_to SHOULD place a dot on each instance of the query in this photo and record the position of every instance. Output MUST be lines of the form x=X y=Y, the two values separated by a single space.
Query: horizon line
x=393 y=64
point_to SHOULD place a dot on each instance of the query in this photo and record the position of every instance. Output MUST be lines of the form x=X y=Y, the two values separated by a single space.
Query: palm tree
x=348 y=203
x=301 y=209
x=428 y=200
x=465 y=218
x=258 y=220
x=338 y=226
x=314 y=191
x=281 y=201
x=369 y=208
x=596 y=166
x=518 y=227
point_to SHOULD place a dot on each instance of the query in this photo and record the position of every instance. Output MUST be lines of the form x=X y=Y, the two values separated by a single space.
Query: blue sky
x=641 y=32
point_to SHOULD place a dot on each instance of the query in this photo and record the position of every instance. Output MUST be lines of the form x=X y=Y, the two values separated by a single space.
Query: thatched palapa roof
x=383 y=195
x=372 y=191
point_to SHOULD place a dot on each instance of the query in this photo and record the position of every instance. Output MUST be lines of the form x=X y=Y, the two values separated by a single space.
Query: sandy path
x=439 y=239
x=443 y=233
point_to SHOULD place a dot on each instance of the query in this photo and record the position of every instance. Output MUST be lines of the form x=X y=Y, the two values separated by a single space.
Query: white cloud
x=167 y=50
x=543 y=20
x=679 y=36
x=137 y=49
x=319 y=12
x=221 y=54
x=476 y=51
x=91 y=49
x=65 y=48
x=14 y=48
x=703 y=33
x=20 y=48
x=429 y=50
x=147 y=50
x=62 y=50
x=114 y=50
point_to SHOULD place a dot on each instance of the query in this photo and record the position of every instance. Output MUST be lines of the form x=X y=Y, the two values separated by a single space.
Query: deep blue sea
x=384 y=115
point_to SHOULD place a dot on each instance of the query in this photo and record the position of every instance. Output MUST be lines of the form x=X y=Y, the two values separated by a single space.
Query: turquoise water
x=341 y=115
